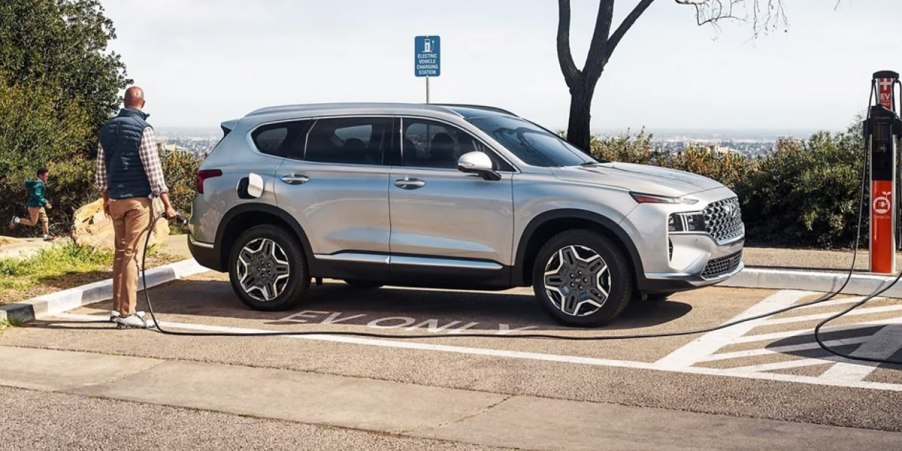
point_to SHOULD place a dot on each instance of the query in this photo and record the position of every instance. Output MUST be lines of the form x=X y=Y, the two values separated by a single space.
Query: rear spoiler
x=228 y=126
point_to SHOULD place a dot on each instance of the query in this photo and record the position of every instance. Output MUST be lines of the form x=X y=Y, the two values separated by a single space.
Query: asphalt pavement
x=764 y=383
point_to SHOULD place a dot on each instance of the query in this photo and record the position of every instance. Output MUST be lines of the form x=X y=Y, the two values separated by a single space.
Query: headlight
x=686 y=222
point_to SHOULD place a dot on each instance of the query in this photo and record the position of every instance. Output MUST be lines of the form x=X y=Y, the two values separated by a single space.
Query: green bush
x=180 y=168
x=806 y=193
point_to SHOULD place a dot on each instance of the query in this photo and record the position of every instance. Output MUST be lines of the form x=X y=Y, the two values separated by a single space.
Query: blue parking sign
x=427 y=56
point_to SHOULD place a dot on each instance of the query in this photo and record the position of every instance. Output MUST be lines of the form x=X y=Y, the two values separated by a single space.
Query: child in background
x=36 y=204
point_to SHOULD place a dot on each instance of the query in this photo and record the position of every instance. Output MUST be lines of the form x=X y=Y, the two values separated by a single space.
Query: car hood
x=639 y=178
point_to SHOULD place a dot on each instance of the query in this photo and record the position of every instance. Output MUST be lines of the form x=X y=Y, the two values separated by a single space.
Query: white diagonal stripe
x=795 y=363
x=710 y=342
x=783 y=349
x=882 y=345
x=816 y=316
x=835 y=302
x=809 y=331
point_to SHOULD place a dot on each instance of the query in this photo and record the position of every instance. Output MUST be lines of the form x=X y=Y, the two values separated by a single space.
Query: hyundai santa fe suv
x=451 y=196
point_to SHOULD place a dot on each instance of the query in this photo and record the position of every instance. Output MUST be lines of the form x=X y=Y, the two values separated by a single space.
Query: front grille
x=723 y=220
x=722 y=265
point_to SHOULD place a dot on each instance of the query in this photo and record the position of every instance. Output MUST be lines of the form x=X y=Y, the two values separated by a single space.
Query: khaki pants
x=36 y=215
x=131 y=219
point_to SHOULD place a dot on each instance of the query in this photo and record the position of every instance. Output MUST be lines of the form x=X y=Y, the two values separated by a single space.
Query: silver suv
x=451 y=196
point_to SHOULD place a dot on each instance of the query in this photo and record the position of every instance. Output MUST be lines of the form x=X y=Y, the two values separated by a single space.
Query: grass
x=59 y=267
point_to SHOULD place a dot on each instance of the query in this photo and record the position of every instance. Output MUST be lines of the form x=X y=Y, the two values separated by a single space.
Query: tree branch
x=595 y=60
x=564 y=57
x=624 y=26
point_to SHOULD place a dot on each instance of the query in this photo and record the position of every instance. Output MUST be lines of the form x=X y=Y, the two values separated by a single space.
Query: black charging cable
x=863 y=301
x=162 y=330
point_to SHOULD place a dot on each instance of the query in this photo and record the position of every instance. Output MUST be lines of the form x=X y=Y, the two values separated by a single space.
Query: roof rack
x=475 y=107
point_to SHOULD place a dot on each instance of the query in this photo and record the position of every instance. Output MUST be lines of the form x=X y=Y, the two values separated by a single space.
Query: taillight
x=204 y=174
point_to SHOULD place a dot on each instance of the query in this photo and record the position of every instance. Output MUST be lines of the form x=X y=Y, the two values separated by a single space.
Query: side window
x=349 y=140
x=284 y=139
x=430 y=144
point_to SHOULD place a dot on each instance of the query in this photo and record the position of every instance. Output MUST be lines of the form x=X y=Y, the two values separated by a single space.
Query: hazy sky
x=202 y=61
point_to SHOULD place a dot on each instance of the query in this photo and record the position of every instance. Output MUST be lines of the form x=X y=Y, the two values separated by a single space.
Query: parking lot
x=766 y=369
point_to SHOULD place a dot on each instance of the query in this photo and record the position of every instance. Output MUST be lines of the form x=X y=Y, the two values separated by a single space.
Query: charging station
x=881 y=129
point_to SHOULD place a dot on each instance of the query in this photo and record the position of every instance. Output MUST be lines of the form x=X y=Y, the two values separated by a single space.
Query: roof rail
x=475 y=107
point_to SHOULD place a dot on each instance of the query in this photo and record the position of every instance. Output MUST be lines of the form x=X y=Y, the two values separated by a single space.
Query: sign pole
x=427 y=58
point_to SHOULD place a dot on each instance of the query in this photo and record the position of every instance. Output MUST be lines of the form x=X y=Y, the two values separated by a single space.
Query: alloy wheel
x=263 y=269
x=577 y=280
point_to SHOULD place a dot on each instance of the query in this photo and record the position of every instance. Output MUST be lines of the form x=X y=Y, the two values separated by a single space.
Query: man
x=36 y=205
x=129 y=174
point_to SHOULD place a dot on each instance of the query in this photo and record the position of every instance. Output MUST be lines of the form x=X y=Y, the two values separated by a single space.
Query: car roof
x=461 y=110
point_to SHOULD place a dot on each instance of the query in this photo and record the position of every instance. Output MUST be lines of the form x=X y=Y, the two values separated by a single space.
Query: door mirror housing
x=478 y=163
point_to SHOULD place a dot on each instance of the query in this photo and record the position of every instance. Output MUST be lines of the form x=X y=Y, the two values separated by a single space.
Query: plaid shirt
x=150 y=159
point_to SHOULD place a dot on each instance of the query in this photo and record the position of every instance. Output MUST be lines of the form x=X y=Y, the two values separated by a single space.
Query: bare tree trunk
x=578 y=128
x=582 y=81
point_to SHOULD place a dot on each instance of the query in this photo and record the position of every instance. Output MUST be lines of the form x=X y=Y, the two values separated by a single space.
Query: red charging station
x=882 y=128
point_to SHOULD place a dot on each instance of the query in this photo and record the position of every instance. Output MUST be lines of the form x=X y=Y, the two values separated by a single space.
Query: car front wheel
x=582 y=279
x=267 y=269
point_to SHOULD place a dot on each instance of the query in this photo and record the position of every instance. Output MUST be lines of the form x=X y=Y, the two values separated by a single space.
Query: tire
x=358 y=284
x=580 y=250
x=267 y=269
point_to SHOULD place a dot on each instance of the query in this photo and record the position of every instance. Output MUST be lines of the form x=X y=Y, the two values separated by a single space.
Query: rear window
x=283 y=139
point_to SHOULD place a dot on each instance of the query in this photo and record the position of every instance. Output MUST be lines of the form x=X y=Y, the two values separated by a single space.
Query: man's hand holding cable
x=169 y=212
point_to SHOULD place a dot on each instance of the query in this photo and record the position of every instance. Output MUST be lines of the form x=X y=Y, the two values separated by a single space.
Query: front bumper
x=701 y=262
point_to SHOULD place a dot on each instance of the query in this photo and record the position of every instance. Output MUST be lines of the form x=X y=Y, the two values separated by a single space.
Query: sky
x=202 y=62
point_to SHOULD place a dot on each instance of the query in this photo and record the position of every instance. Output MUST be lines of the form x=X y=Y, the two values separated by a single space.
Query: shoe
x=12 y=223
x=132 y=321
x=49 y=237
x=114 y=315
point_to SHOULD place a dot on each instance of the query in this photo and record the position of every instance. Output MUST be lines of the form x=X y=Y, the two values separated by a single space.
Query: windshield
x=530 y=143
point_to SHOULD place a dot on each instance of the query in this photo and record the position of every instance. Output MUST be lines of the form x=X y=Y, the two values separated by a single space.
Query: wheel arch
x=544 y=226
x=245 y=216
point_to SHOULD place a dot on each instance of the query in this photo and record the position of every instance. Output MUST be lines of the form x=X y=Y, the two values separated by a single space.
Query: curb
x=859 y=284
x=61 y=301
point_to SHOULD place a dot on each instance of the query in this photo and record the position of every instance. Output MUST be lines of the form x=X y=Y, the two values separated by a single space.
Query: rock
x=93 y=228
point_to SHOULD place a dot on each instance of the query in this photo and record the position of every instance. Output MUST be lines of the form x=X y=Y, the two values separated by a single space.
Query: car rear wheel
x=267 y=269
x=582 y=279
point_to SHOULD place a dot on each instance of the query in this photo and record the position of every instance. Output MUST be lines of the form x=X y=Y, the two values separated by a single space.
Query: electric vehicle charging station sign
x=427 y=61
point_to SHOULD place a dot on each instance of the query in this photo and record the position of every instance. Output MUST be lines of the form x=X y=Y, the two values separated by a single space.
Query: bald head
x=134 y=98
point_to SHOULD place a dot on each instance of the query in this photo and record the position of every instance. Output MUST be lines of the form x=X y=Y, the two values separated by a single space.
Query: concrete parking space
x=764 y=369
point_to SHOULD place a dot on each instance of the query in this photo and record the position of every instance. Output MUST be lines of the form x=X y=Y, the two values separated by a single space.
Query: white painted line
x=795 y=363
x=809 y=331
x=817 y=316
x=530 y=356
x=881 y=345
x=782 y=349
x=843 y=301
x=710 y=342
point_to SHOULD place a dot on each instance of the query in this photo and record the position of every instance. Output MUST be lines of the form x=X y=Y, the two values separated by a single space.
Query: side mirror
x=478 y=163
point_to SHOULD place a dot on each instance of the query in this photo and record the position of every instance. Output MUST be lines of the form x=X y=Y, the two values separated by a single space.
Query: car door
x=338 y=191
x=446 y=223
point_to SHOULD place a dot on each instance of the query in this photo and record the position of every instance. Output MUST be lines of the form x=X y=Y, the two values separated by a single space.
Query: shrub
x=806 y=193
x=180 y=168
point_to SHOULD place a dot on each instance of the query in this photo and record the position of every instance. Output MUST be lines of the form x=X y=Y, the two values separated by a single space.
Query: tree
x=765 y=15
x=60 y=46
x=58 y=84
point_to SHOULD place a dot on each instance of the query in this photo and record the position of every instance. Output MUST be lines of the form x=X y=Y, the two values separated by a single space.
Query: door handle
x=295 y=179
x=409 y=183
